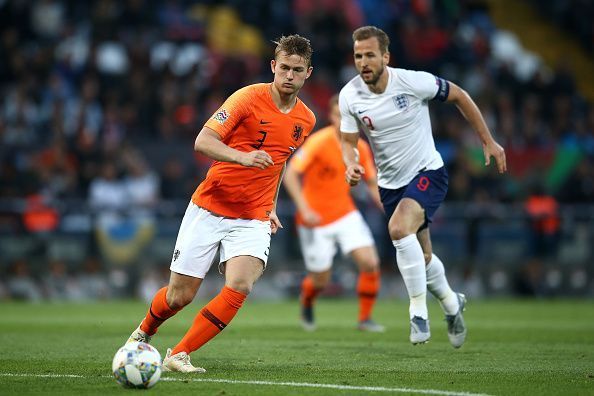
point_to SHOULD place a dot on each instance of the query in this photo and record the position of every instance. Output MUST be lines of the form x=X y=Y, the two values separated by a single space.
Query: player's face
x=334 y=116
x=369 y=60
x=290 y=72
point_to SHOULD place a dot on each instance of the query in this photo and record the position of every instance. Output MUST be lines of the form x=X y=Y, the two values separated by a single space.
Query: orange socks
x=367 y=289
x=158 y=313
x=308 y=292
x=211 y=320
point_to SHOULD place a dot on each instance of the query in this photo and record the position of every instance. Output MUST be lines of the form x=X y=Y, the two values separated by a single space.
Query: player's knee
x=398 y=231
x=241 y=285
x=369 y=264
x=374 y=264
x=177 y=299
x=319 y=283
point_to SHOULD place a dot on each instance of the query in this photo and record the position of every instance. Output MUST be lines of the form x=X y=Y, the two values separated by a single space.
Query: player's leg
x=313 y=283
x=355 y=239
x=368 y=285
x=196 y=246
x=451 y=302
x=240 y=275
x=243 y=252
x=318 y=248
x=167 y=302
x=437 y=282
x=408 y=217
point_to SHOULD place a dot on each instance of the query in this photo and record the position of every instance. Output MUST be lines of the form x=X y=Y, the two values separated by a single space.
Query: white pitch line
x=44 y=375
x=271 y=383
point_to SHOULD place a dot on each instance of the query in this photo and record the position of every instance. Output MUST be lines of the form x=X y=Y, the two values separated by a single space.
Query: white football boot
x=180 y=362
x=419 y=330
x=456 y=326
x=140 y=336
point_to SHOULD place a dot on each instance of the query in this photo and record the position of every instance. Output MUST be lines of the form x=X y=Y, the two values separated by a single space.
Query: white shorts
x=202 y=235
x=318 y=244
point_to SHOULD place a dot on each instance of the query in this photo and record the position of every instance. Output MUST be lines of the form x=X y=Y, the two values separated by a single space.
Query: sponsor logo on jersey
x=221 y=116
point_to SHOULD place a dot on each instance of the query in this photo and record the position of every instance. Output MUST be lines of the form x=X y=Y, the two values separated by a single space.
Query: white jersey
x=396 y=122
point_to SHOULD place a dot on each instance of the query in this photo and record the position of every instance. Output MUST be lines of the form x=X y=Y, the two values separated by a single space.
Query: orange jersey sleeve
x=324 y=187
x=305 y=155
x=235 y=109
x=249 y=120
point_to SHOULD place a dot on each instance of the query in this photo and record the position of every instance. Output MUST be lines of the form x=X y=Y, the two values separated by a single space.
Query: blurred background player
x=327 y=216
x=233 y=211
x=391 y=106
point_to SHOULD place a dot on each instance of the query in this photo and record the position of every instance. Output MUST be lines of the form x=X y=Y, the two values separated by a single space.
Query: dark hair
x=365 y=32
x=294 y=45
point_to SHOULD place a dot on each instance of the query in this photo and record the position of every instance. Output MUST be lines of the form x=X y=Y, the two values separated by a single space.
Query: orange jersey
x=247 y=121
x=324 y=186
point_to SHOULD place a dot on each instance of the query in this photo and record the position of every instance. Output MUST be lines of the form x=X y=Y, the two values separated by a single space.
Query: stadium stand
x=100 y=102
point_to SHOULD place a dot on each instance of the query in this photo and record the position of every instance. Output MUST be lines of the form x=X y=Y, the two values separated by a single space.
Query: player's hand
x=257 y=158
x=275 y=223
x=354 y=173
x=495 y=150
x=310 y=217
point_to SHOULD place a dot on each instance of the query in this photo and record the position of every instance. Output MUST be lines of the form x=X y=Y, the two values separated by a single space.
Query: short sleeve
x=312 y=123
x=231 y=113
x=348 y=122
x=426 y=86
x=366 y=159
x=303 y=157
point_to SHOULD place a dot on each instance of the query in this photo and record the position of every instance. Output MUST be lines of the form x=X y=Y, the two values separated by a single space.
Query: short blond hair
x=294 y=45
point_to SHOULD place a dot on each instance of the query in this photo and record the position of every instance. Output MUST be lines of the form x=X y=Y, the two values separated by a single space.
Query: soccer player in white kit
x=391 y=106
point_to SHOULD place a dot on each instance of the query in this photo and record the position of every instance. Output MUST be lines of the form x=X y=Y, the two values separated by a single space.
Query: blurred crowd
x=100 y=101
x=574 y=16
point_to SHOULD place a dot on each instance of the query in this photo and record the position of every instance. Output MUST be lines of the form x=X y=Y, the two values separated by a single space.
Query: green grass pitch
x=514 y=347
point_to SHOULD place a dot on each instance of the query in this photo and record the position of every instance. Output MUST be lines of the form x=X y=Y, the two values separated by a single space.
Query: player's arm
x=209 y=143
x=471 y=112
x=275 y=223
x=350 y=156
x=292 y=182
x=374 y=192
x=366 y=159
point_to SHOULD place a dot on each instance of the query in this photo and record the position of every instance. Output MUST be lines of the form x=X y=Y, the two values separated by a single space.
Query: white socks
x=411 y=264
x=418 y=278
x=437 y=284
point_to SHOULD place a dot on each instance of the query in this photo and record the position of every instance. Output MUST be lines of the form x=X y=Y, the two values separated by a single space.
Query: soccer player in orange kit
x=233 y=211
x=327 y=216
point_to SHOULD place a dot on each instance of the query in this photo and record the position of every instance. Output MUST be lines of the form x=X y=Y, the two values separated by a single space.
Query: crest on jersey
x=401 y=101
x=221 y=116
x=297 y=132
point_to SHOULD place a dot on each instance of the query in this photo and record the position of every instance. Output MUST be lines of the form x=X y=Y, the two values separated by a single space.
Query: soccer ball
x=137 y=365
